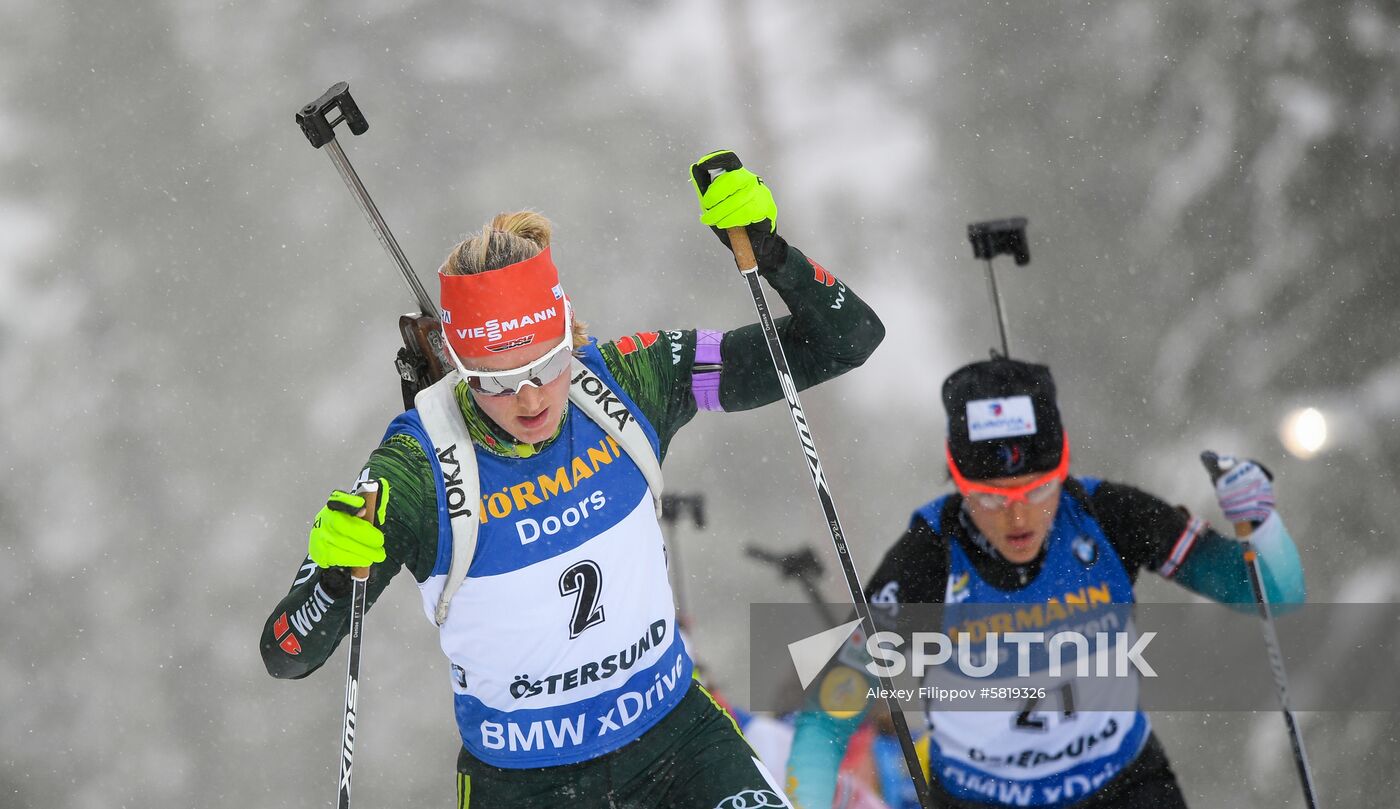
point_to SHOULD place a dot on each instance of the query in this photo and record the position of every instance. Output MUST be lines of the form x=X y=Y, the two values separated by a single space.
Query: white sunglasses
x=539 y=373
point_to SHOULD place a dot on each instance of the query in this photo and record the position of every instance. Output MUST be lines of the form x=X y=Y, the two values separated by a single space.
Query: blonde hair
x=507 y=239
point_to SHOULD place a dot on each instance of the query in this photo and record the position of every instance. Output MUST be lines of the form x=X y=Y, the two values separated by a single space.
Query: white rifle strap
x=442 y=418
x=593 y=396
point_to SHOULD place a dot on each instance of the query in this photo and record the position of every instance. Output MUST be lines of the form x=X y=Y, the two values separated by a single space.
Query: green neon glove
x=735 y=198
x=339 y=538
x=738 y=198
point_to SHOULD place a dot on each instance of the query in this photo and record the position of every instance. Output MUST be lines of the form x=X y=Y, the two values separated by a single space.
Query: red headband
x=489 y=312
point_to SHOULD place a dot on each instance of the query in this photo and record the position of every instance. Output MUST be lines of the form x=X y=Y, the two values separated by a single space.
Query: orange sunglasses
x=995 y=498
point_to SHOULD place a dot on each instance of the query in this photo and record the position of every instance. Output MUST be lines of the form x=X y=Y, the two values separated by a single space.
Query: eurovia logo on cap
x=1006 y=417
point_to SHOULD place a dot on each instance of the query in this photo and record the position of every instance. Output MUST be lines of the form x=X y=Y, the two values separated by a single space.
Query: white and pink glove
x=1245 y=491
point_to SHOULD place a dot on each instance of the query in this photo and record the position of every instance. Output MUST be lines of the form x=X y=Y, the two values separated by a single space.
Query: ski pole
x=989 y=240
x=315 y=123
x=359 y=577
x=1217 y=466
x=748 y=268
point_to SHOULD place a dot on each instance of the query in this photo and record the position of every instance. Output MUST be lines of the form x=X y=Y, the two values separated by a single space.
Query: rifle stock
x=423 y=359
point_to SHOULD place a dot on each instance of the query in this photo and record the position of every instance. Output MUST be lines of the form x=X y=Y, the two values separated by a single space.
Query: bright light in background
x=1304 y=432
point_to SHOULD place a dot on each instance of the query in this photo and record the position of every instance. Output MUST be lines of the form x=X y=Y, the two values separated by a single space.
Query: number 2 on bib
x=1030 y=719
x=583 y=580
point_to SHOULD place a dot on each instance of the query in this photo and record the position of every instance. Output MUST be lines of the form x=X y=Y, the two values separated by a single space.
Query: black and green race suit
x=829 y=331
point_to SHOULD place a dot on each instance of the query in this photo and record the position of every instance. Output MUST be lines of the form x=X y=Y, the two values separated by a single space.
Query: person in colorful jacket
x=1022 y=534
x=571 y=685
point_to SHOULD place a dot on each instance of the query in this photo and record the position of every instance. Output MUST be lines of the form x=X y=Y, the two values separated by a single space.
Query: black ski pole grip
x=1211 y=461
x=1218 y=465
x=725 y=161
x=998 y=237
x=314 y=118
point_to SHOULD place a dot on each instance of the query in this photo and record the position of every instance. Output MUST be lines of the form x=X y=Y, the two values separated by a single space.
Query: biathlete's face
x=1016 y=526
x=532 y=413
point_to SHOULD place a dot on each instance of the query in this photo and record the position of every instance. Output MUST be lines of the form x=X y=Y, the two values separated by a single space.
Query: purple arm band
x=705 y=384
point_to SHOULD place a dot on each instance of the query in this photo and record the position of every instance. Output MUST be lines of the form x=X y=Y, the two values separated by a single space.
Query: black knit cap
x=1015 y=424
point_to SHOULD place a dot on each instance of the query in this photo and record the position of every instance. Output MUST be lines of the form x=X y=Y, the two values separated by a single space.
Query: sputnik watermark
x=938 y=650
x=1202 y=657
x=1102 y=654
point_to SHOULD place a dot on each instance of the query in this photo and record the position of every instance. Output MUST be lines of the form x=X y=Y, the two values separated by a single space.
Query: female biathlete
x=542 y=449
x=1021 y=537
